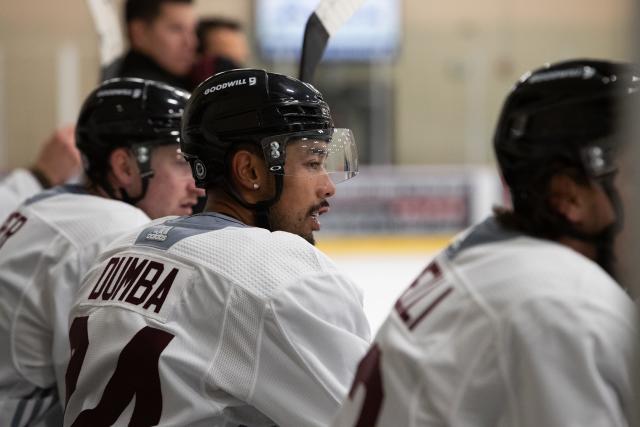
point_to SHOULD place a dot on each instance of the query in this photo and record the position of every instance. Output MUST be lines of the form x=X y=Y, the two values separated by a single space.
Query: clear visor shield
x=329 y=152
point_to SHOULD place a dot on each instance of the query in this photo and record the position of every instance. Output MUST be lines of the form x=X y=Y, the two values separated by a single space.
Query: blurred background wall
x=435 y=103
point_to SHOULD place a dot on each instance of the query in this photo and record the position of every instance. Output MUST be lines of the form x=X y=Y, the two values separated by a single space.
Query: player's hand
x=59 y=159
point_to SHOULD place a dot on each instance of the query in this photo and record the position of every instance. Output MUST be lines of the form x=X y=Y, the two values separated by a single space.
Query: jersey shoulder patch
x=56 y=191
x=488 y=231
x=165 y=234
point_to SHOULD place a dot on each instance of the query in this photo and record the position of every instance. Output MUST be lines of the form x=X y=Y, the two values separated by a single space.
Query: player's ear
x=567 y=197
x=123 y=168
x=249 y=174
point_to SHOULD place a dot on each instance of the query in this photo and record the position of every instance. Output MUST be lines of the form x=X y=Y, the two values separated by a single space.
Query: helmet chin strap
x=133 y=200
x=260 y=209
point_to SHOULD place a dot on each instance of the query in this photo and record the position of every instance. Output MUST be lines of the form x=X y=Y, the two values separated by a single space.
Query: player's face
x=601 y=212
x=172 y=190
x=227 y=43
x=306 y=188
x=170 y=39
x=592 y=212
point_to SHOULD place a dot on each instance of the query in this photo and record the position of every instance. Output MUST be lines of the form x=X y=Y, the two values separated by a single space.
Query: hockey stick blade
x=324 y=22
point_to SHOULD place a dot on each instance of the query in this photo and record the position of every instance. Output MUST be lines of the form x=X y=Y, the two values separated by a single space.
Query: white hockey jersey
x=501 y=330
x=15 y=188
x=46 y=246
x=203 y=321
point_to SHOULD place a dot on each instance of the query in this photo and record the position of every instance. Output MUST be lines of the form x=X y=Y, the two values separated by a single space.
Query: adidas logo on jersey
x=159 y=233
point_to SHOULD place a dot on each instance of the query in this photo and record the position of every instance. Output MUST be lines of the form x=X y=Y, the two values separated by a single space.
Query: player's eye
x=315 y=165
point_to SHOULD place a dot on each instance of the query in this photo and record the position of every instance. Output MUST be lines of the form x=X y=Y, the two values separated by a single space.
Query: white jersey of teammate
x=46 y=246
x=15 y=188
x=203 y=321
x=501 y=330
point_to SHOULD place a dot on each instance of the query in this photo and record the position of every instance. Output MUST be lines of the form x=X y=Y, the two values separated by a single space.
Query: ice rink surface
x=382 y=269
x=382 y=278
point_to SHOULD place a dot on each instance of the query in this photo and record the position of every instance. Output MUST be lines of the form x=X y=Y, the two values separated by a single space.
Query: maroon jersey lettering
x=145 y=283
x=422 y=296
x=79 y=342
x=160 y=294
x=369 y=376
x=109 y=272
x=136 y=375
x=124 y=279
x=13 y=223
x=128 y=279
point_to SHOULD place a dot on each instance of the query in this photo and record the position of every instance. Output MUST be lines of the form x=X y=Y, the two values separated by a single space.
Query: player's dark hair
x=146 y=10
x=212 y=24
x=535 y=216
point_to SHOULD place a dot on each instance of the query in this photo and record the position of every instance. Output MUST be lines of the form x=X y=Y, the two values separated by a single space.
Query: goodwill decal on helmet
x=233 y=83
x=579 y=72
x=133 y=93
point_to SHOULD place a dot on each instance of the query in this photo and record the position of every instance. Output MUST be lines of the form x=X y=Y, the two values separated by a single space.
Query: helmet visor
x=331 y=152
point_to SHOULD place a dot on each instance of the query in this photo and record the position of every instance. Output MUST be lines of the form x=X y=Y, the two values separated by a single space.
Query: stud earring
x=256 y=186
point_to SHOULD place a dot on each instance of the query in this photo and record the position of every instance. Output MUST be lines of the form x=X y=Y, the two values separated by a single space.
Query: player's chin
x=182 y=210
x=309 y=237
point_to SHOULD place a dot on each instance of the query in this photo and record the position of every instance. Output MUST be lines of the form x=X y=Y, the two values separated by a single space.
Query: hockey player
x=128 y=133
x=230 y=317
x=516 y=324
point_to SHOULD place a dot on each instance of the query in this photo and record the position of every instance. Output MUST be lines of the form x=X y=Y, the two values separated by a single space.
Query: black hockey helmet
x=267 y=109
x=569 y=112
x=566 y=115
x=128 y=112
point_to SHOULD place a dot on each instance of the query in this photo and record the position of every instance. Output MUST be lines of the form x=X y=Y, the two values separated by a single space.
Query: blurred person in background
x=128 y=134
x=162 y=41
x=222 y=46
x=520 y=321
x=57 y=161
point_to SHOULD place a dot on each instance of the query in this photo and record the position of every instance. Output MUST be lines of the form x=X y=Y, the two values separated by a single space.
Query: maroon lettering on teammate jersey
x=14 y=222
x=135 y=281
x=424 y=294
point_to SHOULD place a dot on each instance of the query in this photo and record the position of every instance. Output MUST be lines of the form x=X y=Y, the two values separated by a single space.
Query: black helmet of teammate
x=565 y=118
x=269 y=110
x=127 y=112
x=568 y=113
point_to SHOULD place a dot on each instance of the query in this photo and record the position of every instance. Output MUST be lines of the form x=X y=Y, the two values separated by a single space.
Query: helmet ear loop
x=142 y=154
x=260 y=209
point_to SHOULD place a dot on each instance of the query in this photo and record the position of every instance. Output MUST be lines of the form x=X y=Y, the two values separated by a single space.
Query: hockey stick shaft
x=325 y=21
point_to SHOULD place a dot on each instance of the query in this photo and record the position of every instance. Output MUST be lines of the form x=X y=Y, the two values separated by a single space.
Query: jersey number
x=14 y=222
x=136 y=375
x=369 y=376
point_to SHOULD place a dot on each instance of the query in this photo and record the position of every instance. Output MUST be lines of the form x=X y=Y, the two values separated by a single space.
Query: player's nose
x=327 y=187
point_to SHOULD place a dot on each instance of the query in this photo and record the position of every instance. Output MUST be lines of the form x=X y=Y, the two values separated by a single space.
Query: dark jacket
x=137 y=64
